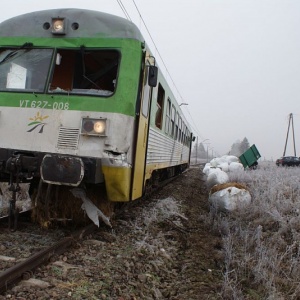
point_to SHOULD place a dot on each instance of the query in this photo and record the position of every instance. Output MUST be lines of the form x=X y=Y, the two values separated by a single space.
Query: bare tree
x=239 y=147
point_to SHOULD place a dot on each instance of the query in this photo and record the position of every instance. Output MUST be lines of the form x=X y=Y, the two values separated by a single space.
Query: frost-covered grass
x=155 y=214
x=262 y=242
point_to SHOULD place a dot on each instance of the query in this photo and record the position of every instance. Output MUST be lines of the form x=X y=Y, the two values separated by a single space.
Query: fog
x=235 y=62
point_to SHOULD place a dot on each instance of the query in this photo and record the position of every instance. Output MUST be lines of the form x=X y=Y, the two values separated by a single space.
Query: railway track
x=24 y=268
x=150 y=253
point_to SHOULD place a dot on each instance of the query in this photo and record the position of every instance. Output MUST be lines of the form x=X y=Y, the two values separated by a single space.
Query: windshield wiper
x=14 y=52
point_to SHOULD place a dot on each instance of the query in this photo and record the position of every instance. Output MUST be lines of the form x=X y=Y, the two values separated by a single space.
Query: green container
x=249 y=157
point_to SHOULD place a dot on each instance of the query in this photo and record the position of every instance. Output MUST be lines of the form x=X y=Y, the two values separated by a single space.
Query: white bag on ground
x=207 y=168
x=231 y=158
x=217 y=177
x=217 y=161
x=212 y=170
x=224 y=167
x=235 y=166
x=229 y=199
x=214 y=163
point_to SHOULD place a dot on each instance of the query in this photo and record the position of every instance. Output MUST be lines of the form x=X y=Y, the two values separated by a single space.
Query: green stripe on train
x=122 y=101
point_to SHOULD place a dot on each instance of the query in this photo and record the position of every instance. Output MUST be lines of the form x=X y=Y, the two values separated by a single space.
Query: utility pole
x=197 y=150
x=207 y=154
x=291 y=121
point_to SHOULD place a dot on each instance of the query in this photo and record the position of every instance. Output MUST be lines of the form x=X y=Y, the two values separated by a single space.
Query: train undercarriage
x=28 y=174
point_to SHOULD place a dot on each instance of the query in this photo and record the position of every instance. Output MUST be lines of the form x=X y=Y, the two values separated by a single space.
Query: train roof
x=91 y=24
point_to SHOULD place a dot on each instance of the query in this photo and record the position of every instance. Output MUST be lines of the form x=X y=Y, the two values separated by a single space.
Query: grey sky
x=235 y=62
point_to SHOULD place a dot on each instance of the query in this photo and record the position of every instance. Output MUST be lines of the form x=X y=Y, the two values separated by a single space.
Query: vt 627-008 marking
x=44 y=104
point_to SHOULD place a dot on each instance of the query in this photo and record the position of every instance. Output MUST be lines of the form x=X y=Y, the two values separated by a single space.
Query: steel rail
x=15 y=273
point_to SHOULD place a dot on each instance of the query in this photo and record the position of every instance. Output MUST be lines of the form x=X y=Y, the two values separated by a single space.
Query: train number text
x=44 y=104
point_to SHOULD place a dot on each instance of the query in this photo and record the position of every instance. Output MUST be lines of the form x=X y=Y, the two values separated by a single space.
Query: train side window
x=185 y=137
x=173 y=113
x=188 y=137
x=160 y=105
x=168 y=117
x=179 y=129
x=176 y=126
x=182 y=133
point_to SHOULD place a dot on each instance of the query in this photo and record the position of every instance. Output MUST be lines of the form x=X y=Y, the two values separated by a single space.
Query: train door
x=143 y=119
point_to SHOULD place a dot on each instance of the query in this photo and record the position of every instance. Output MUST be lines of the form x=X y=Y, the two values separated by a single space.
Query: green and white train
x=83 y=104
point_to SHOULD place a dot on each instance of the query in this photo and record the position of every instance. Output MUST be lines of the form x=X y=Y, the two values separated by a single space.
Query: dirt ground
x=199 y=254
x=161 y=248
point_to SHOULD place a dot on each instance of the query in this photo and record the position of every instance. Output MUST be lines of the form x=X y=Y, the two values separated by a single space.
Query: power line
x=157 y=50
x=165 y=65
x=194 y=128
x=124 y=10
x=148 y=31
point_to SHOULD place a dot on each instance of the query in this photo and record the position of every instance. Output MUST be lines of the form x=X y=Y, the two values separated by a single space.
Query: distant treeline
x=204 y=151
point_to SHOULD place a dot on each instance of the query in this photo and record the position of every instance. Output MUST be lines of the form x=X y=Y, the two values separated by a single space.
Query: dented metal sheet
x=93 y=212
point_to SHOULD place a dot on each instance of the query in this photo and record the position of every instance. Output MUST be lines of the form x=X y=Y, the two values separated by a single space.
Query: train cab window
x=159 y=106
x=24 y=70
x=85 y=71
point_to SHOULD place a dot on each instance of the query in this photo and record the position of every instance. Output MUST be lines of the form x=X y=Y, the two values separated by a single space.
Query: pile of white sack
x=225 y=195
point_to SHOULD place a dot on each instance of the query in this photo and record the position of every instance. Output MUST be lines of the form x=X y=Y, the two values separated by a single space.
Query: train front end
x=69 y=82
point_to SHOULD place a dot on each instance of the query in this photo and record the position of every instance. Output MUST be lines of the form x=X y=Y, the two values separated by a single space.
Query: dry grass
x=262 y=242
x=148 y=222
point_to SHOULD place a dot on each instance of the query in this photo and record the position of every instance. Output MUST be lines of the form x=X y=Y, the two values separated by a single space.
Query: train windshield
x=85 y=71
x=24 y=69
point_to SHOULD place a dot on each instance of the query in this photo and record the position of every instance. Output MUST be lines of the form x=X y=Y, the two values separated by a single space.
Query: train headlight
x=99 y=127
x=58 y=26
x=94 y=126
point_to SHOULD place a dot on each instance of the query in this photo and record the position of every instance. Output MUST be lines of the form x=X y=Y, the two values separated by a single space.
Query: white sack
x=222 y=159
x=235 y=166
x=212 y=170
x=214 y=163
x=231 y=158
x=224 y=166
x=217 y=177
x=225 y=159
x=230 y=198
x=206 y=168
